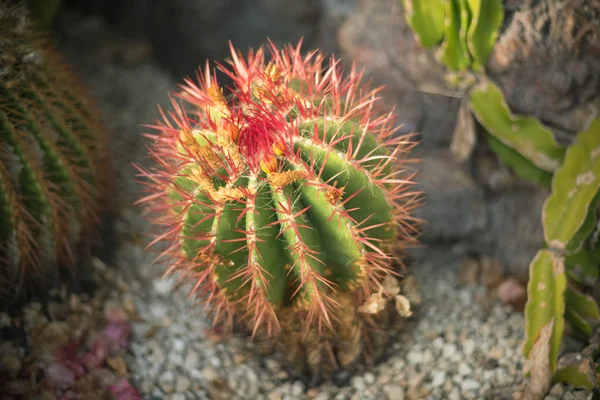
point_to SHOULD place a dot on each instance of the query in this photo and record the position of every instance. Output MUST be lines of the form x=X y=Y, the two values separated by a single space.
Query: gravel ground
x=459 y=346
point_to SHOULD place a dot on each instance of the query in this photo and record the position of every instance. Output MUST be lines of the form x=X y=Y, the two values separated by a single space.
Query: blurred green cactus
x=51 y=158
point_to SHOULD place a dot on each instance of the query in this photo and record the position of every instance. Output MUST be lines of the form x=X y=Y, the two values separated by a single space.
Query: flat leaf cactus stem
x=282 y=195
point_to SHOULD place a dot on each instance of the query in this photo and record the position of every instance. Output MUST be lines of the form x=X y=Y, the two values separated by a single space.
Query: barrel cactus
x=51 y=159
x=284 y=197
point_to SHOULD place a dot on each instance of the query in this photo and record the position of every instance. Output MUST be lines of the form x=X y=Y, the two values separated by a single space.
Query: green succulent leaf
x=426 y=18
x=577 y=371
x=569 y=213
x=582 y=327
x=581 y=311
x=521 y=165
x=526 y=135
x=452 y=53
x=582 y=267
x=486 y=20
x=465 y=22
x=546 y=303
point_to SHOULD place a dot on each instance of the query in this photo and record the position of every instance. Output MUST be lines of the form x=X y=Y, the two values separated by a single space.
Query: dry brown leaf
x=464 y=137
x=403 y=306
x=152 y=331
x=538 y=366
x=390 y=286
x=373 y=305
x=118 y=364
x=410 y=289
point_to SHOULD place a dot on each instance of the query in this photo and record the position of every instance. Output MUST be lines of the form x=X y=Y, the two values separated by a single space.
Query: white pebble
x=369 y=378
x=438 y=378
x=464 y=369
x=414 y=357
x=182 y=384
x=394 y=392
x=448 y=350
x=297 y=388
x=469 y=385
x=191 y=360
x=468 y=346
x=358 y=383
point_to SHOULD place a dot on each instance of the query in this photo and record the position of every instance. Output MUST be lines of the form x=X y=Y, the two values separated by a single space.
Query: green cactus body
x=285 y=195
x=51 y=156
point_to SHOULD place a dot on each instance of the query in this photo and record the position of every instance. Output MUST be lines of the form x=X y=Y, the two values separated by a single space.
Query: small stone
x=358 y=383
x=166 y=381
x=164 y=286
x=465 y=297
x=297 y=388
x=464 y=369
x=491 y=272
x=438 y=342
x=117 y=364
x=182 y=384
x=448 y=350
x=210 y=374
x=468 y=273
x=147 y=386
x=438 y=378
x=215 y=362
x=272 y=365
x=496 y=352
x=414 y=357
x=157 y=354
x=178 y=345
x=399 y=364
x=369 y=378
x=513 y=293
x=191 y=360
x=558 y=389
x=468 y=346
x=394 y=392
x=274 y=396
x=454 y=394
x=469 y=385
x=175 y=359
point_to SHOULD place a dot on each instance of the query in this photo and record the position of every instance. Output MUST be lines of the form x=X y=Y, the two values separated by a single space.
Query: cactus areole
x=281 y=193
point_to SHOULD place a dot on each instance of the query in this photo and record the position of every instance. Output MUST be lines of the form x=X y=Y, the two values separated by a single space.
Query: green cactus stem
x=285 y=196
x=51 y=157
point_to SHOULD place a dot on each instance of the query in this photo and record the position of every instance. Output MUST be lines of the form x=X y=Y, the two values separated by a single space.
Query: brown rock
x=469 y=272
x=491 y=272
x=513 y=293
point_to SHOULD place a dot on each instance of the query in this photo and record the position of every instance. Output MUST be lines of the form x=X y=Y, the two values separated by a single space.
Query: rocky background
x=482 y=222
